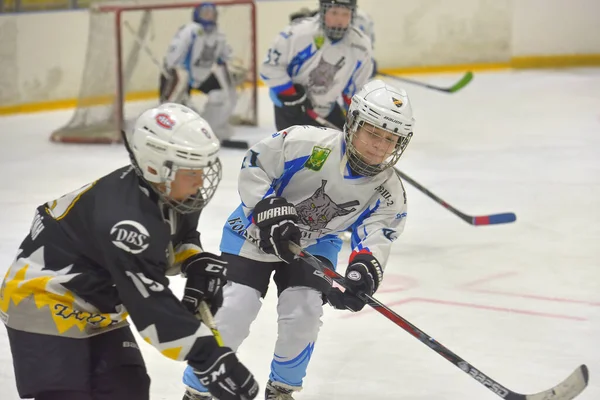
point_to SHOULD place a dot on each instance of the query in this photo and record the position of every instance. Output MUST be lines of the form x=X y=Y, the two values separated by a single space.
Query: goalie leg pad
x=174 y=88
x=219 y=107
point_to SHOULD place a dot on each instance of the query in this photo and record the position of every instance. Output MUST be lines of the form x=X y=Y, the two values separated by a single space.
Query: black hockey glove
x=206 y=275
x=276 y=219
x=294 y=106
x=363 y=275
x=225 y=377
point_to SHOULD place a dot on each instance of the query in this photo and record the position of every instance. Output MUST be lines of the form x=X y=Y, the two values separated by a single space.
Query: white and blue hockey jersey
x=328 y=70
x=308 y=167
x=195 y=50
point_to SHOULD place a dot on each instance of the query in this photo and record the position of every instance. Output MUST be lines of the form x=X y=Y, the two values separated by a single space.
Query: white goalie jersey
x=195 y=50
x=328 y=70
x=308 y=167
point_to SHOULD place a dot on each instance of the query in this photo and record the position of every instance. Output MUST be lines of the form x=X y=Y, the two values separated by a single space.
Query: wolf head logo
x=318 y=210
x=321 y=78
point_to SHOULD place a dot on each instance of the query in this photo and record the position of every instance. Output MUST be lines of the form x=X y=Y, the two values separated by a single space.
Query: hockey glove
x=276 y=219
x=225 y=377
x=363 y=275
x=206 y=274
x=294 y=106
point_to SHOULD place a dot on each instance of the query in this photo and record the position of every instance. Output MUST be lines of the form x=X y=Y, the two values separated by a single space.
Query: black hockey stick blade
x=464 y=81
x=479 y=220
x=234 y=144
x=566 y=390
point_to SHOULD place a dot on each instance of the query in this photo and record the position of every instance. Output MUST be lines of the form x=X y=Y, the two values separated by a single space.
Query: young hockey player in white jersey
x=189 y=63
x=316 y=64
x=101 y=253
x=362 y=21
x=307 y=185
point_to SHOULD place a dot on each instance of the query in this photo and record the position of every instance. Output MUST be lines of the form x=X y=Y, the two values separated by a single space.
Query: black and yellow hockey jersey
x=99 y=254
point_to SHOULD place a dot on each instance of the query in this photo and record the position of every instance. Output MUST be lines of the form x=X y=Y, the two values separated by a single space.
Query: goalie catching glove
x=276 y=220
x=363 y=275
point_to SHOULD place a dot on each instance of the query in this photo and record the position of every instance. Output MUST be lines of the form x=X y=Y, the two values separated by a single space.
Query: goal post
x=126 y=40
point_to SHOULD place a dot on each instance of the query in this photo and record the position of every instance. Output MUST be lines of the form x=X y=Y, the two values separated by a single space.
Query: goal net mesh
x=127 y=41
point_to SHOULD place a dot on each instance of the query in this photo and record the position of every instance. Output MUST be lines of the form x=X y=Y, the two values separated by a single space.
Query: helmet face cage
x=171 y=138
x=335 y=33
x=211 y=176
x=201 y=14
x=357 y=129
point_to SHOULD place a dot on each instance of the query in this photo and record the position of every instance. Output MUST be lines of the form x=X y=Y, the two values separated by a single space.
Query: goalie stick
x=568 y=389
x=479 y=220
x=464 y=81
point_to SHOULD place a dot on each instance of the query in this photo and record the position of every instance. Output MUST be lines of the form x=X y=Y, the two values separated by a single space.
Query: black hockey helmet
x=335 y=32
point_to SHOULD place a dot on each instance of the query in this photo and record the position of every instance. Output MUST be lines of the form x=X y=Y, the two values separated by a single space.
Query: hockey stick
x=233 y=144
x=464 y=81
x=208 y=319
x=320 y=120
x=492 y=219
x=204 y=314
x=566 y=390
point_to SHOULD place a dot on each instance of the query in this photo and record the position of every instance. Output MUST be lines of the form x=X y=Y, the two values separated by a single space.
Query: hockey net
x=126 y=45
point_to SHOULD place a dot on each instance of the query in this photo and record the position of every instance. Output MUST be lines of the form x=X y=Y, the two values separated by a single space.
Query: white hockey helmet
x=378 y=105
x=172 y=136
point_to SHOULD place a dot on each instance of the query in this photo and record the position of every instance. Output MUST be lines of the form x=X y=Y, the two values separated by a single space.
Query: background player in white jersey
x=101 y=253
x=317 y=63
x=190 y=62
x=307 y=185
x=362 y=21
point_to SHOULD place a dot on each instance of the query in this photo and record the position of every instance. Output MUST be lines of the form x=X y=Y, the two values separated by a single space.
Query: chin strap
x=134 y=163
x=169 y=171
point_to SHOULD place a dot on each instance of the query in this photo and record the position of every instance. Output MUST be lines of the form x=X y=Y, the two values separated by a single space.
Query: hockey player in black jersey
x=102 y=253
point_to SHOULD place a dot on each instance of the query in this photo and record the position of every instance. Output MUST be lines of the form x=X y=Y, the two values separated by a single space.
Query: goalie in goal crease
x=195 y=49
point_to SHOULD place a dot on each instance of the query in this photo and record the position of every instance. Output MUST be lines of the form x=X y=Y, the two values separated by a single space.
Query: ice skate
x=278 y=391
x=191 y=394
